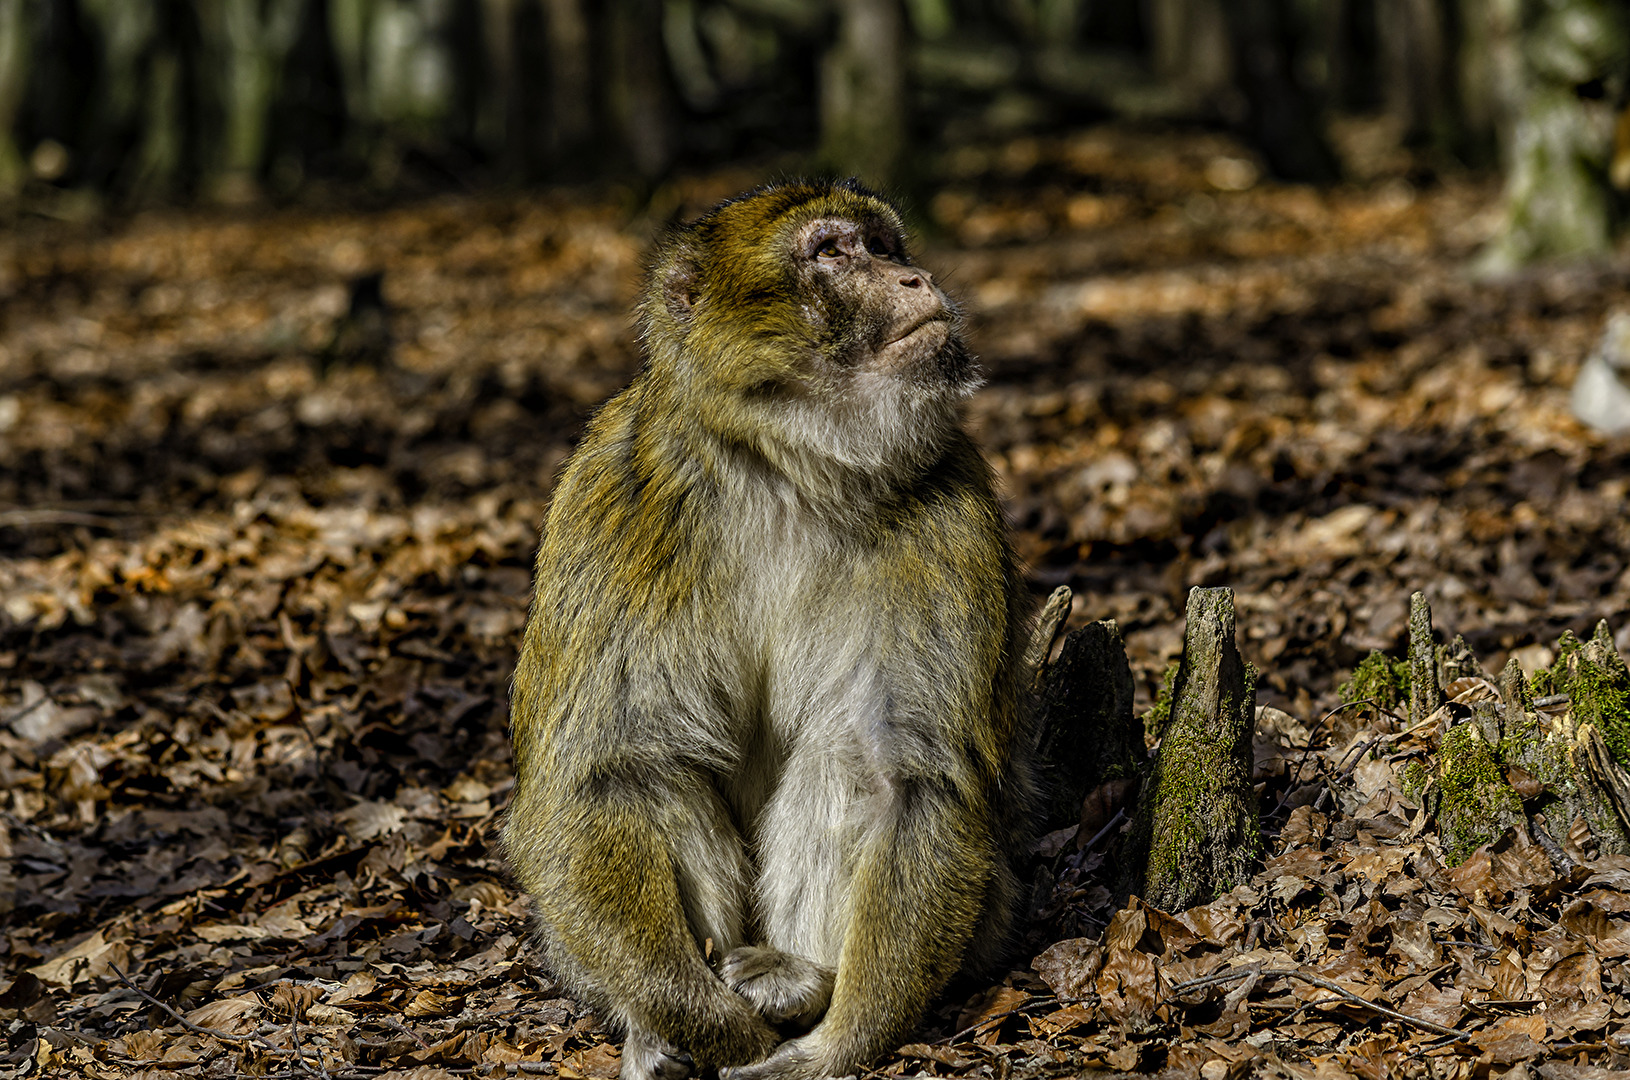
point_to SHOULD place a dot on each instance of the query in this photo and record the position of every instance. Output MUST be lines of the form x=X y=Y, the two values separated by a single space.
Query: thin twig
x=300 y=1052
x=391 y=1021
x=1120 y=816
x=1357 y=758
x=1290 y=1018
x=1307 y=750
x=22 y=519
x=26 y=709
x=196 y=1029
x=1383 y=737
x=1323 y=984
x=1435 y=1044
x=1043 y=999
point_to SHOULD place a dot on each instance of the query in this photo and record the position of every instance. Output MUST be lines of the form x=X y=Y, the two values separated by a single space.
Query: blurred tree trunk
x=571 y=85
x=1416 y=77
x=127 y=28
x=170 y=62
x=1486 y=55
x=498 y=121
x=349 y=26
x=397 y=70
x=1550 y=61
x=863 y=92
x=140 y=95
x=639 y=97
x=14 y=35
x=1282 y=120
x=1189 y=47
x=249 y=39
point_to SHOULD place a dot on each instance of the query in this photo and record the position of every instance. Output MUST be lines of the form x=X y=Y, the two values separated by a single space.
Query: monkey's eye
x=878 y=247
x=829 y=249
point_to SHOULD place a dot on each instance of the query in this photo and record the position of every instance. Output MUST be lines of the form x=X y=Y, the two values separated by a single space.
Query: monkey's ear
x=680 y=282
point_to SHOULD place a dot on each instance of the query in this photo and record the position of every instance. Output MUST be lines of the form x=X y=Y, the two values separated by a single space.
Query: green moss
x=1601 y=695
x=1566 y=646
x=1477 y=805
x=1520 y=736
x=1414 y=780
x=1378 y=679
x=1154 y=721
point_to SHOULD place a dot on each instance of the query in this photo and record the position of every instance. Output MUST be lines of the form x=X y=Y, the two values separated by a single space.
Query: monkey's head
x=793 y=321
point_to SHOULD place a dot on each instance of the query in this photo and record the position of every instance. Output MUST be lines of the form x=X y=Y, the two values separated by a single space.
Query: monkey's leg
x=785 y=989
x=923 y=865
x=626 y=885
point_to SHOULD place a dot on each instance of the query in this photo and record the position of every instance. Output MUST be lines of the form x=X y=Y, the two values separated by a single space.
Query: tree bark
x=1424 y=693
x=1197 y=832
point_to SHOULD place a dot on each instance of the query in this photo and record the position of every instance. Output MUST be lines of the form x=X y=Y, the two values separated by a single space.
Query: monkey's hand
x=785 y=989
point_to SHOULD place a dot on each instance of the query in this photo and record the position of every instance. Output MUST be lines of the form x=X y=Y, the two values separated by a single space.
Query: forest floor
x=264 y=564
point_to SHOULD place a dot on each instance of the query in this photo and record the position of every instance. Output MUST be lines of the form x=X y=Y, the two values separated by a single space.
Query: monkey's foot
x=795 y=1059
x=648 y=1057
x=785 y=989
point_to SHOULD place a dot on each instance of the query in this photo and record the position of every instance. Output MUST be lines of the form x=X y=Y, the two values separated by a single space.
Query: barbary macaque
x=769 y=759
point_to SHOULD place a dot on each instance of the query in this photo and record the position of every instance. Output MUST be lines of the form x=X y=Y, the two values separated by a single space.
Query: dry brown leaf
x=233 y=1015
x=1070 y=968
x=989 y=1011
x=1128 y=987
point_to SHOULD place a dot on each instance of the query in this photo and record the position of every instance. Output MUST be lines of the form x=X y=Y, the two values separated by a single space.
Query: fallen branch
x=1323 y=984
x=214 y=1033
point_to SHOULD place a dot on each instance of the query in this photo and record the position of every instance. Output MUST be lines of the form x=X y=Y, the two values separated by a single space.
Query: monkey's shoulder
x=629 y=496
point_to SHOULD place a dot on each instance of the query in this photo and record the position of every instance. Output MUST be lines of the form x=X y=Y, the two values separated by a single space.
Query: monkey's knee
x=785 y=989
x=646 y=1056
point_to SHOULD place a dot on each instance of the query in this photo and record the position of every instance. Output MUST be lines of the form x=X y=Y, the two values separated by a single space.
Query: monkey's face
x=796 y=311
x=872 y=310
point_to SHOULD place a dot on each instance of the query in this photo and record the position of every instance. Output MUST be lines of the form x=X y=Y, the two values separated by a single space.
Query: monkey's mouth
x=938 y=320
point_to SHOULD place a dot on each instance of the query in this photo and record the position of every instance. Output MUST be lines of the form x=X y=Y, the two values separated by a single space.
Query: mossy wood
x=1197 y=833
x=1083 y=703
x=1567 y=758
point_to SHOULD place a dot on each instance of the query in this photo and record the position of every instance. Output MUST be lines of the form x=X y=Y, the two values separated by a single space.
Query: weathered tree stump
x=1087 y=734
x=1504 y=764
x=1196 y=833
x=1425 y=695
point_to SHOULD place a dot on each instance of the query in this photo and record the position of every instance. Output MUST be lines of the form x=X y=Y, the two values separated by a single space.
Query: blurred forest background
x=237 y=100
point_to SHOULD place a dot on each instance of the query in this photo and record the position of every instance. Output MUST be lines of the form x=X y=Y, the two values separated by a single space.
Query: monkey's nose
x=912 y=281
